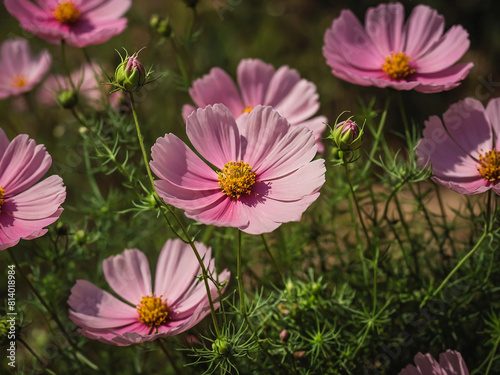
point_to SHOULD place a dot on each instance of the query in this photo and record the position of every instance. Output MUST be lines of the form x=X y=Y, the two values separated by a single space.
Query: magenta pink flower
x=264 y=174
x=464 y=151
x=78 y=22
x=21 y=71
x=260 y=84
x=450 y=363
x=25 y=208
x=388 y=53
x=178 y=301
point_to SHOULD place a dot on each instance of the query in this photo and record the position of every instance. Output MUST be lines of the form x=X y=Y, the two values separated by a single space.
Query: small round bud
x=221 y=346
x=347 y=135
x=154 y=20
x=161 y=25
x=299 y=354
x=67 y=99
x=80 y=237
x=130 y=74
x=284 y=335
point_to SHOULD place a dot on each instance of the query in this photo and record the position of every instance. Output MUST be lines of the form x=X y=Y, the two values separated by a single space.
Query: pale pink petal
x=384 y=25
x=453 y=363
x=214 y=134
x=446 y=52
x=223 y=213
x=128 y=275
x=254 y=77
x=442 y=80
x=99 y=10
x=187 y=109
x=89 y=32
x=300 y=103
x=217 y=87
x=280 y=85
x=318 y=126
x=493 y=114
x=423 y=28
x=174 y=161
x=4 y=142
x=428 y=365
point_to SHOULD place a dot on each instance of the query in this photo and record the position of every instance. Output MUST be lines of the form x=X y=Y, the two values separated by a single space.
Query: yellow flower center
x=247 y=110
x=2 y=198
x=19 y=81
x=397 y=66
x=489 y=165
x=236 y=179
x=67 y=13
x=153 y=312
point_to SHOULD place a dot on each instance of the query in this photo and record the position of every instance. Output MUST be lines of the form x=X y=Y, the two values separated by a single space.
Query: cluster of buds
x=347 y=137
x=130 y=75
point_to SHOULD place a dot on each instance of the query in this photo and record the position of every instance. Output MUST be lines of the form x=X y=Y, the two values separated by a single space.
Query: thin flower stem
x=494 y=350
x=375 y=272
x=358 y=209
x=268 y=250
x=183 y=228
x=90 y=175
x=239 y=276
x=405 y=121
x=26 y=345
x=457 y=267
x=65 y=65
x=170 y=358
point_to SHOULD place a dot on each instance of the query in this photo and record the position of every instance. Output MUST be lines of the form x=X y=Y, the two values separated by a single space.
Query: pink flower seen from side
x=464 y=148
x=450 y=363
x=264 y=173
x=21 y=71
x=177 y=303
x=26 y=207
x=259 y=83
x=79 y=23
x=387 y=52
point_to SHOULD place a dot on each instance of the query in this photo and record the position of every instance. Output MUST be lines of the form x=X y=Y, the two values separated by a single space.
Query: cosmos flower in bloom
x=259 y=83
x=21 y=71
x=263 y=173
x=177 y=302
x=387 y=52
x=25 y=207
x=78 y=22
x=464 y=149
x=450 y=363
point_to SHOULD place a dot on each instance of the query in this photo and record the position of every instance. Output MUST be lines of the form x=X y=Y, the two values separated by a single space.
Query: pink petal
x=428 y=365
x=4 y=142
x=128 y=275
x=88 y=32
x=443 y=80
x=223 y=213
x=187 y=110
x=384 y=25
x=453 y=363
x=214 y=134
x=444 y=53
x=317 y=125
x=280 y=85
x=493 y=114
x=423 y=28
x=174 y=161
x=98 y=10
x=262 y=128
x=217 y=87
x=300 y=103
x=254 y=77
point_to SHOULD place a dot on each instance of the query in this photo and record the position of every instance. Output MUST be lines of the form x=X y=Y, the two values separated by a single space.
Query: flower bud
x=67 y=99
x=221 y=346
x=130 y=75
x=284 y=335
x=161 y=25
x=347 y=135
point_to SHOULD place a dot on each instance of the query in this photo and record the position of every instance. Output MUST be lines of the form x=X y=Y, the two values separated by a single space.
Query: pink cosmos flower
x=26 y=208
x=21 y=71
x=388 y=53
x=177 y=303
x=264 y=174
x=450 y=363
x=294 y=98
x=464 y=151
x=78 y=22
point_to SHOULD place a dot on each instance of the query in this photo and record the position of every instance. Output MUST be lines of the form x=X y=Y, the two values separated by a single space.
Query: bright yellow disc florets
x=18 y=81
x=2 y=198
x=489 y=165
x=247 y=110
x=153 y=312
x=66 y=13
x=236 y=179
x=397 y=66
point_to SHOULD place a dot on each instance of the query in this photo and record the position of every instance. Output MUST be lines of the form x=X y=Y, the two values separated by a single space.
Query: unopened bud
x=221 y=346
x=161 y=25
x=67 y=99
x=130 y=75
x=284 y=335
x=299 y=354
x=347 y=135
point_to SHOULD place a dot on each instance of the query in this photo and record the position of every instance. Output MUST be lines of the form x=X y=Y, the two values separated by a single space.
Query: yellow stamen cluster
x=18 y=81
x=397 y=66
x=490 y=165
x=153 y=312
x=236 y=179
x=67 y=13
x=247 y=110
x=2 y=198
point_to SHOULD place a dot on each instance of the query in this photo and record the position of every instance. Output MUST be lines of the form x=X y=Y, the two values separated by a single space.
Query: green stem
x=65 y=64
x=239 y=277
x=169 y=356
x=90 y=175
x=405 y=121
x=20 y=339
x=271 y=256
x=492 y=356
x=183 y=228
